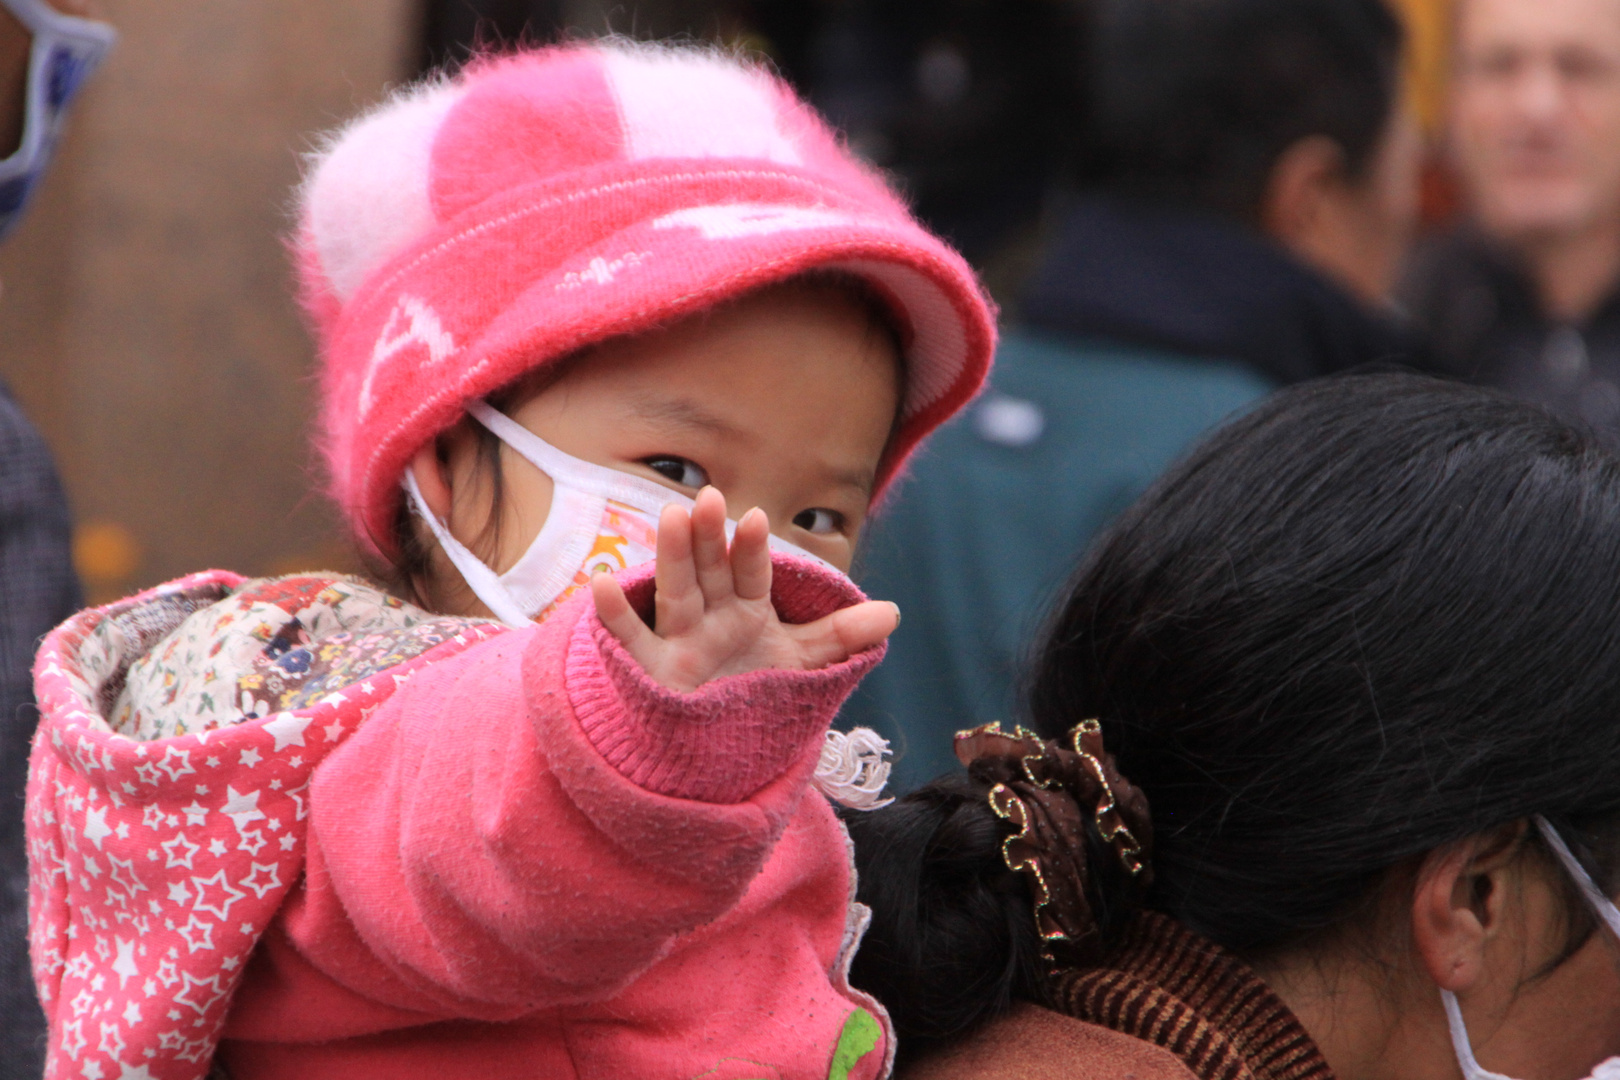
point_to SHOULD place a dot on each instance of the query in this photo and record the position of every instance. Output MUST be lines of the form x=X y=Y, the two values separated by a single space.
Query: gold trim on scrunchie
x=1088 y=743
x=1047 y=792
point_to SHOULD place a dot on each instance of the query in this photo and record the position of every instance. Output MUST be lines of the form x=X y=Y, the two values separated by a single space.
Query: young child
x=299 y=827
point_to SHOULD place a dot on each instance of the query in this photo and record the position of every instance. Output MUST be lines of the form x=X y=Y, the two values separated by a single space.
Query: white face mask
x=1605 y=909
x=600 y=519
x=65 y=51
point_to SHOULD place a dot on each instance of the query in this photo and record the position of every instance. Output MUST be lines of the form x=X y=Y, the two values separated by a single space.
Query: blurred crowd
x=1180 y=207
x=1178 y=210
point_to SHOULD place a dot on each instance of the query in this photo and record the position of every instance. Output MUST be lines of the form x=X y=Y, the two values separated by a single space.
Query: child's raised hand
x=714 y=610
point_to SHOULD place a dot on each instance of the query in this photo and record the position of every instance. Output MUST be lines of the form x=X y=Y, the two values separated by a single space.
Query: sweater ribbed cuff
x=719 y=743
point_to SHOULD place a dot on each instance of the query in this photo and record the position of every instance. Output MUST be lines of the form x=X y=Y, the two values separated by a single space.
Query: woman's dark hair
x=1192 y=101
x=1372 y=617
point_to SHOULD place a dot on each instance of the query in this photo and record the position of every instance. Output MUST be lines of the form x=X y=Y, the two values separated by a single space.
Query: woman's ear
x=432 y=480
x=1459 y=904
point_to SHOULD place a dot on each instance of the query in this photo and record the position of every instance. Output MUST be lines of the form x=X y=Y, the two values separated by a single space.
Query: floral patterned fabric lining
x=273 y=644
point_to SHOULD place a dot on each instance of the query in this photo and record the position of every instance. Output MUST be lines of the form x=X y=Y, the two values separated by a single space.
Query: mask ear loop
x=1594 y=896
x=1602 y=905
x=483 y=581
x=1471 y=1068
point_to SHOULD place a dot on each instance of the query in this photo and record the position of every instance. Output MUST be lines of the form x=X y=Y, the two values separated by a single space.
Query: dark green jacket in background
x=1143 y=329
x=976 y=544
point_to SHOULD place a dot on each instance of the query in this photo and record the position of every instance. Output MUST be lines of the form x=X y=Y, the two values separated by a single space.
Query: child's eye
x=819 y=521
x=678 y=470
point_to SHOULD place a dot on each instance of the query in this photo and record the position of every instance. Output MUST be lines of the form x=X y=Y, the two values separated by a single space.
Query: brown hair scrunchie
x=1048 y=791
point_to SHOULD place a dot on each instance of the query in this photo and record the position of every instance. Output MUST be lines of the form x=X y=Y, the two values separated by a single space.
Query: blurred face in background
x=1535 y=114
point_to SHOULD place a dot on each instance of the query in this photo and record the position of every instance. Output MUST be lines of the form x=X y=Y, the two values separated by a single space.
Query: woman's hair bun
x=958 y=935
x=1083 y=835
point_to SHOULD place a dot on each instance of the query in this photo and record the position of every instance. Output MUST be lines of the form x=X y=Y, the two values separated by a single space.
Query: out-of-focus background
x=147 y=324
x=147 y=321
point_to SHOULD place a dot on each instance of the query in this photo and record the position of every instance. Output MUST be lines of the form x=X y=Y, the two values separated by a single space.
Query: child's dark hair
x=1374 y=616
x=410 y=573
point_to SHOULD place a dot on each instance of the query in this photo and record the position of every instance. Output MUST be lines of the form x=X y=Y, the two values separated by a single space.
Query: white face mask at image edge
x=65 y=50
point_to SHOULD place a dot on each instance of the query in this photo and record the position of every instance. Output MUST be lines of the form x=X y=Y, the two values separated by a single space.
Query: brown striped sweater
x=1166 y=1005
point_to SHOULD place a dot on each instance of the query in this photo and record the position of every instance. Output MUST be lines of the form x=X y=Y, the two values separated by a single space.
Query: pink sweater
x=529 y=860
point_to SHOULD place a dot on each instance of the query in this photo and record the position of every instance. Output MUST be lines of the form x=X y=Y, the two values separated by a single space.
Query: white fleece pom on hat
x=366 y=196
x=685 y=102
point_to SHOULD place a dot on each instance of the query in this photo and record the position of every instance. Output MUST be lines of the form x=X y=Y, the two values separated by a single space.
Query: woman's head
x=1374 y=617
x=477 y=231
x=1373 y=620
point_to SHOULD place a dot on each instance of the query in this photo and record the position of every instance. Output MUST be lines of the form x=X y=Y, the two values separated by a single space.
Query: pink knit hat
x=472 y=230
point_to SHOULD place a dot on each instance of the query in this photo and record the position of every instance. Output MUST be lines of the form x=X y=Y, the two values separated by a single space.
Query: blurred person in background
x=46 y=50
x=1248 y=188
x=966 y=103
x=1525 y=293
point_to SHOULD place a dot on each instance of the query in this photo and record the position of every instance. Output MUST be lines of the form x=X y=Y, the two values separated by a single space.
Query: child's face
x=783 y=401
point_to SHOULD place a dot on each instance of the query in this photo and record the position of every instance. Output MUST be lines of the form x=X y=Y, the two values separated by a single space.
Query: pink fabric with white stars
x=156 y=866
x=512 y=855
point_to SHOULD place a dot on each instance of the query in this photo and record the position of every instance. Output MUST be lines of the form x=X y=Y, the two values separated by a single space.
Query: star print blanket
x=184 y=819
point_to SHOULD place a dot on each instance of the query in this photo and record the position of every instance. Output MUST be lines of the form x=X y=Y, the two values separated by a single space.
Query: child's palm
x=714 y=610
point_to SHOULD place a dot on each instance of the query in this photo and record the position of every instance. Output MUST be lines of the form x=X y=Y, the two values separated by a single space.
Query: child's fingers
x=614 y=609
x=751 y=556
x=836 y=637
x=677 y=599
x=709 y=546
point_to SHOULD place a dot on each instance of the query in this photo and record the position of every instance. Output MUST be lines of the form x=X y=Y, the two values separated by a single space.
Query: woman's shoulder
x=1032 y=1043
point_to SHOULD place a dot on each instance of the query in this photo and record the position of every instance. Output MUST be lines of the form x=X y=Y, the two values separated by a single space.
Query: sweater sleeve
x=534 y=822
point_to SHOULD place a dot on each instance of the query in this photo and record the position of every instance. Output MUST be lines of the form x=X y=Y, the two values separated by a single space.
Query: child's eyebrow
x=862 y=480
x=686 y=413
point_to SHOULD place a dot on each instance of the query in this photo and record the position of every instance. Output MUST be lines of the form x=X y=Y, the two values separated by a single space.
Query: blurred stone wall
x=146 y=320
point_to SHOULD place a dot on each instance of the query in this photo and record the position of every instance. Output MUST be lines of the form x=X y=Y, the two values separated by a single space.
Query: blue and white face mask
x=66 y=50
